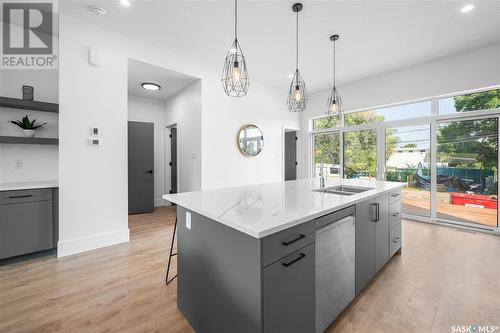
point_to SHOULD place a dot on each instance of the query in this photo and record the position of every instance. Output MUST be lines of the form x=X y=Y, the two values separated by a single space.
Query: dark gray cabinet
x=289 y=293
x=27 y=222
x=372 y=238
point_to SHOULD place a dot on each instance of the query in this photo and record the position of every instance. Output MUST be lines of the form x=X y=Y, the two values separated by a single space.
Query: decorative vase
x=29 y=133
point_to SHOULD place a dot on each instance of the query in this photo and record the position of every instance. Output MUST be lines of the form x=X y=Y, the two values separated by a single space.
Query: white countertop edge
x=16 y=186
x=358 y=197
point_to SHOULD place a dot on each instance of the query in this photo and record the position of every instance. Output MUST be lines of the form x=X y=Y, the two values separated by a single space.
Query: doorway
x=171 y=172
x=290 y=158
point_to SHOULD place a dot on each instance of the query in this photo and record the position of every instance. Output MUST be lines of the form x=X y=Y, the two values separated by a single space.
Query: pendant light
x=235 y=74
x=334 y=104
x=297 y=95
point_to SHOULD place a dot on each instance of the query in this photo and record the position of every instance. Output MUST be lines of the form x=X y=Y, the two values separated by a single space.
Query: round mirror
x=250 y=140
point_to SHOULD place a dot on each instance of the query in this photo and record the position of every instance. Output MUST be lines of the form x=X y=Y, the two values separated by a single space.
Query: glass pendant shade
x=297 y=95
x=235 y=74
x=334 y=105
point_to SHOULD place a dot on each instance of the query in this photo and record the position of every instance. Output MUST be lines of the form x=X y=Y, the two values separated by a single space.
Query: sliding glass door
x=408 y=160
x=467 y=171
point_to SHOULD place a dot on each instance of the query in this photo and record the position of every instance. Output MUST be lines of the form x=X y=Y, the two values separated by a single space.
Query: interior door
x=173 y=160
x=290 y=156
x=140 y=167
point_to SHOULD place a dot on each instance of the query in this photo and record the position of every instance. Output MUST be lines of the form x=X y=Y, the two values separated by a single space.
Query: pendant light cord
x=236 y=19
x=297 y=43
x=334 y=57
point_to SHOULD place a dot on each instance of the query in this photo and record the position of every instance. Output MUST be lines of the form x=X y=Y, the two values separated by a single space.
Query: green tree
x=410 y=145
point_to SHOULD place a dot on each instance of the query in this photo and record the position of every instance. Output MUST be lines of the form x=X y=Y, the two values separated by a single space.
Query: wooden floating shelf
x=17 y=103
x=29 y=141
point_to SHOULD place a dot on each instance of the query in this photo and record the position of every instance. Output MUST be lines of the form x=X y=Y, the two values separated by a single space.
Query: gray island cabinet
x=257 y=275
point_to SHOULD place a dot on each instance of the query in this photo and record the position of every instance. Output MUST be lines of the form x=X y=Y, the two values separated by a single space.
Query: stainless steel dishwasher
x=335 y=276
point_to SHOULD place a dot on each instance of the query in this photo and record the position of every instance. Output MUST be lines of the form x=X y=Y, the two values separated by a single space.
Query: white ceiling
x=375 y=36
x=170 y=82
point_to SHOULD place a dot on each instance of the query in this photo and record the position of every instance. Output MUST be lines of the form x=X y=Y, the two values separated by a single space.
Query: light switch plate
x=188 y=220
x=94 y=131
x=95 y=142
x=95 y=57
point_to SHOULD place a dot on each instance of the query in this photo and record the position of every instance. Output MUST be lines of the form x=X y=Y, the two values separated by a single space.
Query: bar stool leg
x=167 y=281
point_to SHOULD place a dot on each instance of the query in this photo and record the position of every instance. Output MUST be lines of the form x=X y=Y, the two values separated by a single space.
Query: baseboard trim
x=79 y=245
x=161 y=202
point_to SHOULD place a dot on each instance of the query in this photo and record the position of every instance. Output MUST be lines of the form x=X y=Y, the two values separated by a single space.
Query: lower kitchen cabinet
x=289 y=293
x=27 y=222
x=372 y=238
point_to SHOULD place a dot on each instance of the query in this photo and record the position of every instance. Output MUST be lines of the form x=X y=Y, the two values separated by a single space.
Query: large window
x=360 y=154
x=408 y=160
x=327 y=153
x=445 y=151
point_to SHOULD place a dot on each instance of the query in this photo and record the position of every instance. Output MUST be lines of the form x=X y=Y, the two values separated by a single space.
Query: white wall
x=152 y=111
x=93 y=182
x=39 y=162
x=472 y=70
x=184 y=110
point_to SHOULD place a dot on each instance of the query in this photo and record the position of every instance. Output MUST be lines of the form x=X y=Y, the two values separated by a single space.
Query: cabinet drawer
x=276 y=246
x=395 y=195
x=394 y=214
x=289 y=293
x=25 y=227
x=395 y=240
x=14 y=197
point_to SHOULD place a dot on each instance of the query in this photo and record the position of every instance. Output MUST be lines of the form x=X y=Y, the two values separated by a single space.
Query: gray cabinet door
x=25 y=228
x=365 y=243
x=289 y=293
x=382 y=232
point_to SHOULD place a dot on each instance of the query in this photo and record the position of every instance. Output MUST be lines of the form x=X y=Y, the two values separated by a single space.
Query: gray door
x=140 y=167
x=290 y=156
x=382 y=232
x=173 y=160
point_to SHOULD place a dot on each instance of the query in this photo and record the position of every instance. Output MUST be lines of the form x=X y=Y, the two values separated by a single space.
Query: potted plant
x=28 y=126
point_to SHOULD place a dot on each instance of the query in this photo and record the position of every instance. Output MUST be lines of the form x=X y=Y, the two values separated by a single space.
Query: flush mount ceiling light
x=150 y=86
x=98 y=11
x=297 y=94
x=334 y=104
x=125 y=3
x=235 y=74
x=467 y=8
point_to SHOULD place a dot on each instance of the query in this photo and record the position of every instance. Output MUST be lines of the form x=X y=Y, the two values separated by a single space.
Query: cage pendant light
x=297 y=94
x=334 y=104
x=235 y=73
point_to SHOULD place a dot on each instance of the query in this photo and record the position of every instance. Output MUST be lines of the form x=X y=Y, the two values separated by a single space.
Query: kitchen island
x=250 y=258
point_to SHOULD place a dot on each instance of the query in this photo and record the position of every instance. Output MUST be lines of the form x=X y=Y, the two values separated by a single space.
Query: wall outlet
x=18 y=164
x=188 y=220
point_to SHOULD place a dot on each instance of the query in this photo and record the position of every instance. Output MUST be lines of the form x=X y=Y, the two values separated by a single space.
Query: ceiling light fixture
x=467 y=8
x=334 y=104
x=125 y=3
x=98 y=11
x=235 y=74
x=297 y=94
x=150 y=86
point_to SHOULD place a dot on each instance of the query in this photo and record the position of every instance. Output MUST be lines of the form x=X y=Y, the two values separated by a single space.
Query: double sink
x=343 y=189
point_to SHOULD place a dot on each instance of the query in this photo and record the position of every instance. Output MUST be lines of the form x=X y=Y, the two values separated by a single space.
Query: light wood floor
x=444 y=277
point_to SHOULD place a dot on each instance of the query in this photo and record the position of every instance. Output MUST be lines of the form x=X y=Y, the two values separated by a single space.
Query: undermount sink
x=343 y=189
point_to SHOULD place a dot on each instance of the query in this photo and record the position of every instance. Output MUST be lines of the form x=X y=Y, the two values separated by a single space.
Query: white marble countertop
x=28 y=185
x=261 y=210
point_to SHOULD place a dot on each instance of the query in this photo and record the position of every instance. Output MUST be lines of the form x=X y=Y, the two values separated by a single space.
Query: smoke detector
x=98 y=11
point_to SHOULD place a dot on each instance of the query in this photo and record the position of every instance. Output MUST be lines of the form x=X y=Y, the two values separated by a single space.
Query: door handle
x=377 y=212
x=20 y=196
x=290 y=263
x=395 y=214
x=149 y=172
